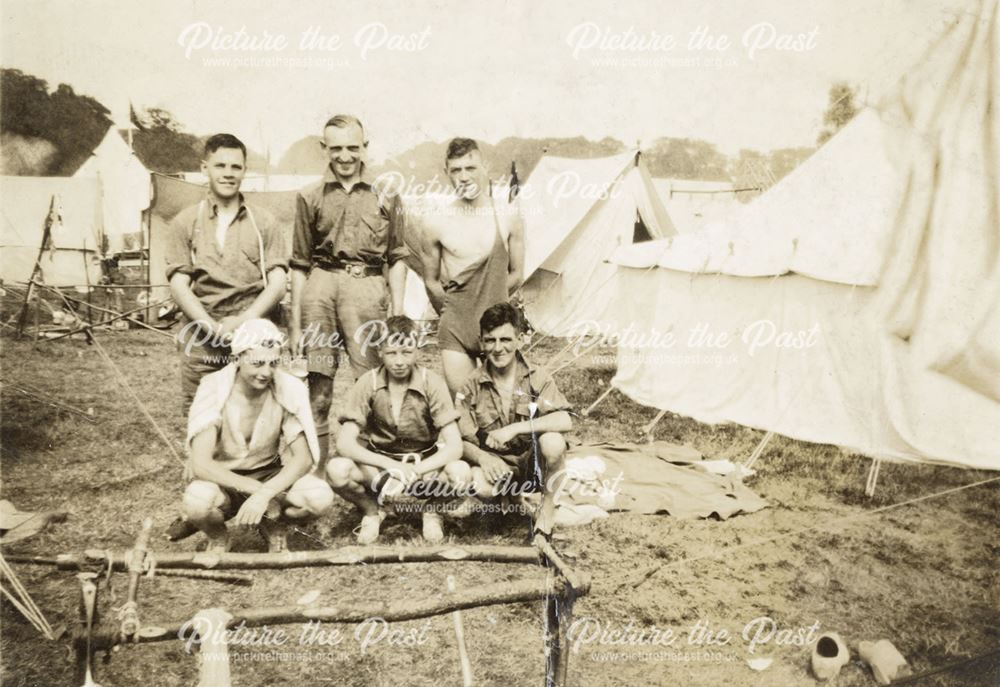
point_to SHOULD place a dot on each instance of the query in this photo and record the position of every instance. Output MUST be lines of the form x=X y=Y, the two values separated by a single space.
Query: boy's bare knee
x=458 y=473
x=200 y=499
x=312 y=493
x=340 y=472
x=552 y=445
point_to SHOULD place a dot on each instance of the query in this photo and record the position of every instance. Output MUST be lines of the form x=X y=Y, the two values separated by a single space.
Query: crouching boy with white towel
x=252 y=444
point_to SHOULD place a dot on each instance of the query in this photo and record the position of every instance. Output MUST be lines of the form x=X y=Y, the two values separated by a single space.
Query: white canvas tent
x=577 y=213
x=693 y=203
x=803 y=312
x=73 y=255
x=125 y=187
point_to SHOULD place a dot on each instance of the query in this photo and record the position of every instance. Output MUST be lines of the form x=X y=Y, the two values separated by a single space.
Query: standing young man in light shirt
x=226 y=264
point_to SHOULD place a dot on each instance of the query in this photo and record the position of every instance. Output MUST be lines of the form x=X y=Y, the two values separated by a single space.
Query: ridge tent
x=576 y=213
x=125 y=188
x=803 y=312
x=74 y=251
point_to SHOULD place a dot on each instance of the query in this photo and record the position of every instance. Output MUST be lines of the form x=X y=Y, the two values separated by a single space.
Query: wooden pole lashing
x=524 y=591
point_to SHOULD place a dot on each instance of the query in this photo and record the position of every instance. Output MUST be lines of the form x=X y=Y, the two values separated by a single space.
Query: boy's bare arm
x=449 y=453
x=204 y=466
x=349 y=447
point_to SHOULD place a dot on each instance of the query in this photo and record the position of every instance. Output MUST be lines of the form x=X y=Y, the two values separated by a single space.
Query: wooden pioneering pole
x=37 y=268
x=559 y=588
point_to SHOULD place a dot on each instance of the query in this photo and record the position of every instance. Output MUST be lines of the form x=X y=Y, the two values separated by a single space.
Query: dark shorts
x=375 y=485
x=457 y=333
x=235 y=499
x=522 y=461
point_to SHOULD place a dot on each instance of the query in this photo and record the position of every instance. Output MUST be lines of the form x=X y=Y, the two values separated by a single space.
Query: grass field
x=925 y=576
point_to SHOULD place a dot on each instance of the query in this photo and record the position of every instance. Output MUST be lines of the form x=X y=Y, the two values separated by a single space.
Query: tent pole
x=589 y=409
x=46 y=236
x=873 y=477
x=647 y=430
x=144 y=258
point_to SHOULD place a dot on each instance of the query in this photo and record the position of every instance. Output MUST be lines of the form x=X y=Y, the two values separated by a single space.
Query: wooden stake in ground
x=463 y=654
x=88 y=614
x=137 y=558
x=213 y=655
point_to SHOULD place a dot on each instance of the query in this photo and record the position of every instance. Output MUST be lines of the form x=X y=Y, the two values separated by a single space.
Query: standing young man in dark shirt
x=346 y=266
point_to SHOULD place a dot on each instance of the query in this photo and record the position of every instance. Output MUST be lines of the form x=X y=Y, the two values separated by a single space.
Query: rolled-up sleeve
x=396 y=249
x=302 y=239
x=177 y=246
x=550 y=399
x=465 y=404
x=357 y=404
x=439 y=402
x=275 y=244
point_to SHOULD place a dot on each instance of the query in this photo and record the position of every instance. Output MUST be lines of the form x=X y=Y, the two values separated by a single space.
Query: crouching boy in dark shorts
x=252 y=444
x=512 y=415
x=398 y=429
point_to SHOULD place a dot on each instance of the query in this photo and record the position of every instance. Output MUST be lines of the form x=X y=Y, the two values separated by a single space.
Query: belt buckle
x=356 y=270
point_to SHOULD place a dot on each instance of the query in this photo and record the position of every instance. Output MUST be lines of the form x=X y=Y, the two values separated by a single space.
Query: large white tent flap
x=871 y=324
x=941 y=287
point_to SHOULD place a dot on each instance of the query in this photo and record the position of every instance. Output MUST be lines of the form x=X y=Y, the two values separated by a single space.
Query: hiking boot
x=180 y=529
x=433 y=532
x=369 y=528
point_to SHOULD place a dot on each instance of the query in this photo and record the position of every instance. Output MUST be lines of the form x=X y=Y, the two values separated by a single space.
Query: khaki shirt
x=481 y=410
x=334 y=224
x=225 y=279
x=426 y=409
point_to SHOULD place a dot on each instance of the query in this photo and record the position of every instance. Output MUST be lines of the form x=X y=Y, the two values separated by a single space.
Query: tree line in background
x=52 y=133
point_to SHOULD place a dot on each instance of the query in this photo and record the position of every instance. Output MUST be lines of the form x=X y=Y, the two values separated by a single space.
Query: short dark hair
x=342 y=121
x=224 y=141
x=401 y=331
x=498 y=315
x=459 y=147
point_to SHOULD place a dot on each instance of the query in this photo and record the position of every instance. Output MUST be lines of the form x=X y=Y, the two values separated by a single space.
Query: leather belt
x=355 y=269
x=410 y=457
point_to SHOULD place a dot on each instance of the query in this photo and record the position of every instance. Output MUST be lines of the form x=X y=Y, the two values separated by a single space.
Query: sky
x=738 y=74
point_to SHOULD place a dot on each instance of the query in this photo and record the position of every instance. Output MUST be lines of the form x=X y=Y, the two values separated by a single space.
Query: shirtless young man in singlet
x=473 y=257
